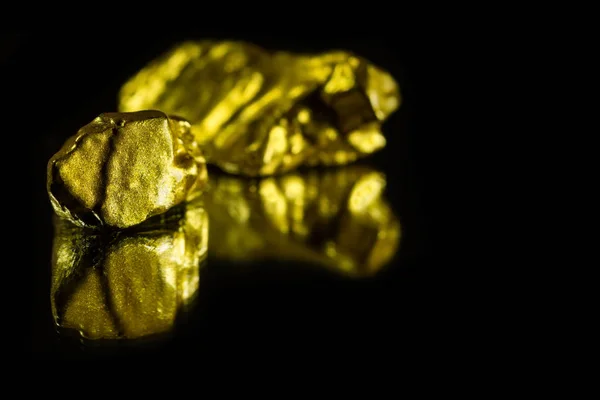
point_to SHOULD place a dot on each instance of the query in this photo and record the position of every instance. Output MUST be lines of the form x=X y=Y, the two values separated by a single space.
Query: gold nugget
x=337 y=219
x=123 y=168
x=127 y=284
x=258 y=113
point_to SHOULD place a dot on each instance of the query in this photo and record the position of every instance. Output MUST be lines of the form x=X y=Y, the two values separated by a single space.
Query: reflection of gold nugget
x=127 y=284
x=336 y=218
x=259 y=113
x=123 y=168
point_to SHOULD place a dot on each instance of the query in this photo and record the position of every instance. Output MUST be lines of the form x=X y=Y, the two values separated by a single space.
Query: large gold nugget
x=123 y=168
x=259 y=113
x=127 y=284
x=337 y=219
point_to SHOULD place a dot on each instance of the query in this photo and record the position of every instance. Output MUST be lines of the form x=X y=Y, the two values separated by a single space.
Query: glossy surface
x=127 y=284
x=338 y=219
x=123 y=168
x=256 y=310
x=259 y=113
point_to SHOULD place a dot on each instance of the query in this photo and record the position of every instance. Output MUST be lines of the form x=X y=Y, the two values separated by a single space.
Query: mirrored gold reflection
x=127 y=284
x=336 y=218
x=257 y=113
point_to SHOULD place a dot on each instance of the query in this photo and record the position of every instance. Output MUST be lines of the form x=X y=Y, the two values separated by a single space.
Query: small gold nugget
x=256 y=112
x=123 y=168
x=338 y=219
x=128 y=284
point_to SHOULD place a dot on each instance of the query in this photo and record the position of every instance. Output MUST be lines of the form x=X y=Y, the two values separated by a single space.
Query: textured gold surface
x=123 y=168
x=337 y=219
x=259 y=113
x=131 y=283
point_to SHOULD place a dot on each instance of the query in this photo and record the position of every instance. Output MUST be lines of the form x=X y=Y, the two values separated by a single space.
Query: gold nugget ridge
x=258 y=113
x=123 y=168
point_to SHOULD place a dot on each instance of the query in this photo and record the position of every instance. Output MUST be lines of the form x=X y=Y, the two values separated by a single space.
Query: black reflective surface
x=58 y=84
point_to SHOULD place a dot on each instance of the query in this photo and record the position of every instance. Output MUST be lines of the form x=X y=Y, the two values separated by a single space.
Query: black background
x=53 y=85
